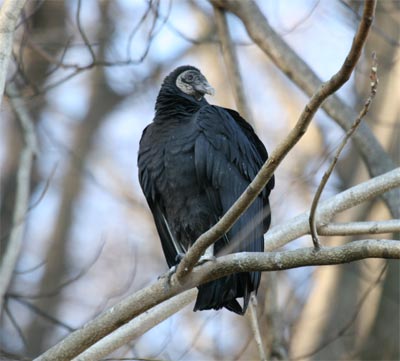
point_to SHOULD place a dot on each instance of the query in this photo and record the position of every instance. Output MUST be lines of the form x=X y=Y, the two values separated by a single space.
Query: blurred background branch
x=14 y=245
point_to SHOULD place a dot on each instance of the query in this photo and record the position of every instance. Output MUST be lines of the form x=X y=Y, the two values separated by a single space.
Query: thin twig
x=41 y=313
x=15 y=324
x=83 y=34
x=349 y=133
x=255 y=327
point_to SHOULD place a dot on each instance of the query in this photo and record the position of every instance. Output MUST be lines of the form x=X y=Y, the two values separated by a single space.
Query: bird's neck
x=170 y=106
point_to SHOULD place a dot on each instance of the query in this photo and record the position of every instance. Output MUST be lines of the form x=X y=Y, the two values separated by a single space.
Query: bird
x=194 y=160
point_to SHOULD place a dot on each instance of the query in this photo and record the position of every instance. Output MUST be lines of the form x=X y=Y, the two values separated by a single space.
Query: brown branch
x=349 y=133
x=285 y=59
x=263 y=176
x=148 y=297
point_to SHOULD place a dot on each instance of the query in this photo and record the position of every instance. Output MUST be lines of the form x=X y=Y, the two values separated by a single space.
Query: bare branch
x=137 y=327
x=14 y=245
x=255 y=327
x=263 y=176
x=355 y=228
x=9 y=14
x=350 y=132
x=158 y=292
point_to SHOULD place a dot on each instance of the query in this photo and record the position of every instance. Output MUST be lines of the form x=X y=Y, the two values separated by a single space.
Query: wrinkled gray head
x=192 y=82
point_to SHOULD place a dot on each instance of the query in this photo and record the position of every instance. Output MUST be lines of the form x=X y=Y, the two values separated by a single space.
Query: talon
x=206 y=258
x=168 y=274
x=179 y=257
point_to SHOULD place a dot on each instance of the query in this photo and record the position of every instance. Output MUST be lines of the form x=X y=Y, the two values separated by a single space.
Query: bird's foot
x=179 y=257
x=206 y=258
x=168 y=274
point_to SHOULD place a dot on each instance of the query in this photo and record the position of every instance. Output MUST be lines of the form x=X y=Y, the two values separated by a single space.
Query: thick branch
x=259 y=30
x=148 y=297
x=263 y=176
x=9 y=14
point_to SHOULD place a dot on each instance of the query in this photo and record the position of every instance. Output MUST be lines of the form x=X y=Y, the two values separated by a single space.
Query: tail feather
x=224 y=291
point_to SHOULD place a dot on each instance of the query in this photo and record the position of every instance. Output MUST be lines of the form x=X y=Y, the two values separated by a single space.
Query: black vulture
x=195 y=160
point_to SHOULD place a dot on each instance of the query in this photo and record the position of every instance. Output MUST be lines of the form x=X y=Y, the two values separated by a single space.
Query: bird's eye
x=189 y=77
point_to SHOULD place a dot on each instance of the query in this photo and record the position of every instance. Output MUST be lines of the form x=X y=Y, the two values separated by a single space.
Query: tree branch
x=324 y=90
x=137 y=327
x=9 y=14
x=14 y=245
x=355 y=228
x=285 y=59
x=148 y=297
x=255 y=327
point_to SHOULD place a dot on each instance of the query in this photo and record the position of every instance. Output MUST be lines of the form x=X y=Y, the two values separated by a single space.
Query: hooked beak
x=203 y=87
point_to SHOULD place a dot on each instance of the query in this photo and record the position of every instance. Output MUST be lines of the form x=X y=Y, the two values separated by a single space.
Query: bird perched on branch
x=195 y=160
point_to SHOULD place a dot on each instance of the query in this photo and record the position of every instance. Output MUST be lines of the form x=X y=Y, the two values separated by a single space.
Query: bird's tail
x=224 y=291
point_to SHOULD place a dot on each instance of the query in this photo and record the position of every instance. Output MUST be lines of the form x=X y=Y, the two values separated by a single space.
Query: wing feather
x=226 y=161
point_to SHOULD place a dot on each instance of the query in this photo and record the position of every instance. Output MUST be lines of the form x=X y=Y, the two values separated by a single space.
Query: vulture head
x=192 y=82
x=189 y=81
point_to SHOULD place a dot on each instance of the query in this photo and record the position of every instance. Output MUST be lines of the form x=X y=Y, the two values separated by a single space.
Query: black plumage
x=195 y=159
